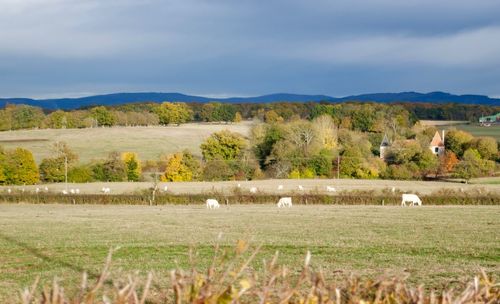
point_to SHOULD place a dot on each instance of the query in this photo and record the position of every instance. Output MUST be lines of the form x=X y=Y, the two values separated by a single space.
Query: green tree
x=113 y=169
x=57 y=120
x=224 y=112
x=405 y=151
x=224 y=145
x=20 y=168
x=132 y=165
x=473 y=166
x=173 y=113
x=217 y=169
x=52 y=170
x=26 y=117
x=427 y=163
x=103 y=116
x=3 y=178
x=80 y=174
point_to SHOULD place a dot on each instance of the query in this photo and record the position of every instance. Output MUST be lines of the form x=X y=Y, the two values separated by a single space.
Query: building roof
x=385 y=142
x=437 y=140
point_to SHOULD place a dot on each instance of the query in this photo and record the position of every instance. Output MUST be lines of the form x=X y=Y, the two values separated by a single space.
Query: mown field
x=432 y=245
x=474 y=129
x=97 y=143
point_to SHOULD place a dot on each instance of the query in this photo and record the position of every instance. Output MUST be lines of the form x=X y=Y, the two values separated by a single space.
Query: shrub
x=80 y=174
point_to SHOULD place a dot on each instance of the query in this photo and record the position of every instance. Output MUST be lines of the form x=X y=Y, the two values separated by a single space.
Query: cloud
x=248 y=47
x=479 y=47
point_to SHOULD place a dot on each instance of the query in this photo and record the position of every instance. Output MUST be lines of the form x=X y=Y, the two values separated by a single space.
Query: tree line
x=352 y=115
x=324 y=147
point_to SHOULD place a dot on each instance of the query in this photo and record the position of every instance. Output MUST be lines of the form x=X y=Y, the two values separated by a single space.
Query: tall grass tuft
x=230 y=279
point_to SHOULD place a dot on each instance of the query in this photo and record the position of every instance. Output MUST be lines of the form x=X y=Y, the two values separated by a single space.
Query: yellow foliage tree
x=176 y=170
x=132 y=165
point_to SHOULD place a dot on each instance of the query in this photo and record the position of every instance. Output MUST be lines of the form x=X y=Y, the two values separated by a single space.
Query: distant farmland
x=97 y=143
x=474 y=129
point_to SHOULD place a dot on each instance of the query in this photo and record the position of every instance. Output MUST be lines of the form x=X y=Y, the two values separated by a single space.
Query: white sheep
x=165 y=188
x=37 y=190
x=280 y=187
x=330 y=189
x=212 y=204
x=393 y=190
x=77 y=191
x=106 y=190
x=72 y=191
x=301 y=188
x=413 y=199
x=239 y=185
x=253 y=190
x=9 y=190
x=64 y=192
x=285 y=202
x=46 y=189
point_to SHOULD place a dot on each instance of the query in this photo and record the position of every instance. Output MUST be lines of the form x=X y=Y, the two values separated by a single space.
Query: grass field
x=433 y=245
x=474 y=129
x=97 y=143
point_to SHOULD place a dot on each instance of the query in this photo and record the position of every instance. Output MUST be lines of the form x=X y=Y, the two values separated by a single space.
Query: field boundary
x=366 y=198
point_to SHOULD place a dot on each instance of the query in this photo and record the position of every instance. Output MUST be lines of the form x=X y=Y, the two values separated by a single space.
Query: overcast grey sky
x=59 y=48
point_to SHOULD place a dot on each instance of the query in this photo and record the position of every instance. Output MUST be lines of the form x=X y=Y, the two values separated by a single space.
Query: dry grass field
x=432 y=245
x=97 y=143
x=289 y=185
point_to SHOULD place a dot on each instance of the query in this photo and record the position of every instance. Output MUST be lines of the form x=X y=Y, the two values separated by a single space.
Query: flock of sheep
x=211 y=203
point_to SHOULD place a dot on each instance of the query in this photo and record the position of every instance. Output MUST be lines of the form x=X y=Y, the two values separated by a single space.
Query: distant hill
x=123 y=98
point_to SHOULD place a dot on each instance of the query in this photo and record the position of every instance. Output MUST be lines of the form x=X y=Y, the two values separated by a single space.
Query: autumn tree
x=176 y=170
x=112 y=169
x=447 y=162
x=224 y=145
x=173 y=113
x=132 y=166
x=326 y=132
x=457 y=141
x=53 y=169
x=20 y=168
x=237 y=117
x=472 y=165
x=26 y=117
x=486 y=146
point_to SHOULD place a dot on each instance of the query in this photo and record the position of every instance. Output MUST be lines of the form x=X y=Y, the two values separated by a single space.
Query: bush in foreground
x=229 y=279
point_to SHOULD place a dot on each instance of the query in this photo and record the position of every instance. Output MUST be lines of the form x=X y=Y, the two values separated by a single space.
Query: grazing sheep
x=393 y=190
x=330 y=189
x=212 y=204
x=301 y=188
x=46 y=189
x=72 y=191
x=285 y=202
x=253 y=190
x=106 y=190
x=37 y=190
x=77 y=191
x=413 y=199
x=64 y=192
x=165 y=188
x=9 y=190
x=239 y=185
x=280 y=187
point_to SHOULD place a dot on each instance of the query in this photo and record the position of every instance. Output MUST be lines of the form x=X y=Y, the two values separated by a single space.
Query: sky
x=222 y=48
